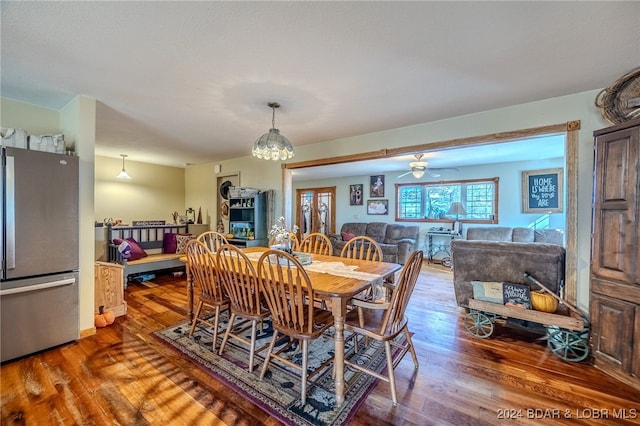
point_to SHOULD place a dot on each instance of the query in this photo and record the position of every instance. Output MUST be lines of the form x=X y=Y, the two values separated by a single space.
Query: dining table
x=337 y=279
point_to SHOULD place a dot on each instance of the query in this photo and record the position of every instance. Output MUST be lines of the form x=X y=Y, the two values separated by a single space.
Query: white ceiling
x=188 y=82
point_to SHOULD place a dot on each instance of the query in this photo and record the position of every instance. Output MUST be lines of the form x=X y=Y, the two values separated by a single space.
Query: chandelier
x=272 y=145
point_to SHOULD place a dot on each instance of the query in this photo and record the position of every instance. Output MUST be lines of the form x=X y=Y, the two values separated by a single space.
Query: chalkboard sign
x=516 y=295
x=542 y=191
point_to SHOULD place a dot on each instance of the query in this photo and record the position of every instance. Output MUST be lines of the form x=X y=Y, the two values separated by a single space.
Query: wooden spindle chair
x=385 y=321
x=202 y=270
x=287 y=291
x=241 y=283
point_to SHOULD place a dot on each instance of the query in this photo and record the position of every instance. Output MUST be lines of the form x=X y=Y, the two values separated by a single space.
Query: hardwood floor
x=124 y=376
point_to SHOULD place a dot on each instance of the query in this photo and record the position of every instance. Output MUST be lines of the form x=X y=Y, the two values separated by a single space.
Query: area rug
x=279 y=392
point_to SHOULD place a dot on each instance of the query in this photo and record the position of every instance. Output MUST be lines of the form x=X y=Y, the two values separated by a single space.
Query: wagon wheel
x=567 y=345
x=478 y=324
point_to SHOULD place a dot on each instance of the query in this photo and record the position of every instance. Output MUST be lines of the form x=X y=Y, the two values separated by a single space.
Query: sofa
x=396 y=241
x=504 y=254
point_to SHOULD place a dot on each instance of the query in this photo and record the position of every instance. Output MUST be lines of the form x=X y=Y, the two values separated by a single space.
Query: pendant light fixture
x=123 y=173
x=272 y=145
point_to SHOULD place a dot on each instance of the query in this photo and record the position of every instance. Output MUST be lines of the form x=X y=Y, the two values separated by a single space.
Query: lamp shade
x=457 y=208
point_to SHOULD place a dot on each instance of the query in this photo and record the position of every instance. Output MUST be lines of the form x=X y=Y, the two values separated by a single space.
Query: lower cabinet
x=615 y=330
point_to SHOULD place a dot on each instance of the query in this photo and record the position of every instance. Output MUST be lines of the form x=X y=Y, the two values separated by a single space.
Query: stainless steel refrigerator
x=39 y=287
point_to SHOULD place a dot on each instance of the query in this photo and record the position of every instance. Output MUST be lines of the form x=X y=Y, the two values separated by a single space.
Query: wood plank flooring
x=123 y=376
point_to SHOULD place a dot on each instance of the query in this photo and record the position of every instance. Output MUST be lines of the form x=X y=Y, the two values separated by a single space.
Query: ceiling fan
x=418 y=168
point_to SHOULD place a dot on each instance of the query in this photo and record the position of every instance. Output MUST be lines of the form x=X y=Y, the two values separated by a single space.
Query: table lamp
x=458 y=209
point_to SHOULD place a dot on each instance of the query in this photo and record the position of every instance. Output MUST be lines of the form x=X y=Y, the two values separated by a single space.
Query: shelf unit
x=248 y=220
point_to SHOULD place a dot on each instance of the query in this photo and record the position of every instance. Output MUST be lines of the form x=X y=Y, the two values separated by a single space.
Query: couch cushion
x=396 y=232
x=492 y=233
x=376 y=230
x=549 y=236
x=522 y=235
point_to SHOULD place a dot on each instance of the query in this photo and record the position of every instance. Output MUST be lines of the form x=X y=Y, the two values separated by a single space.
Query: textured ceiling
x=189 y=82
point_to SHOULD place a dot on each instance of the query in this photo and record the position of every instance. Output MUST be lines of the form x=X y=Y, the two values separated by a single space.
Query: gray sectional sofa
x=396 y=241
x=505 y=254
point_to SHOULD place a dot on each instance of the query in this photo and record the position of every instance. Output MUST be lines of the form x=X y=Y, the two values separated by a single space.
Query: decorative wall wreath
x=621 y=101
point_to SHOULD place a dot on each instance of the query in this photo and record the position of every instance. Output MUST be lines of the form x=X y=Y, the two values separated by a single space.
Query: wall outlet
x=217 y=168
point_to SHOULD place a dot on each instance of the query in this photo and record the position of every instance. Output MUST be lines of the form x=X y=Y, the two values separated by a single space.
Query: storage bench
x=151 y=239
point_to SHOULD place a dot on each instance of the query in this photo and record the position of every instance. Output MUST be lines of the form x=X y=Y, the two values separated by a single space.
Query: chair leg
x=268 y=356
x=252 y=349
x=392 y=377
x=195 y=318
x=305 y=362
x=216 y=323
x=226 y=334
x=411 y=348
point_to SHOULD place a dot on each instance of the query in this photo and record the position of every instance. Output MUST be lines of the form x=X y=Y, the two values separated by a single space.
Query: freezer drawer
x=38 y=315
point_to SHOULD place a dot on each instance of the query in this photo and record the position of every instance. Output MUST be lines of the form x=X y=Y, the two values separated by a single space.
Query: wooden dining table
x=336 y=288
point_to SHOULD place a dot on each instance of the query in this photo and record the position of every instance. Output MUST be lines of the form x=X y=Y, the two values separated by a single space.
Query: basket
x=249 y=192
x=240 y=192
x=621 y=101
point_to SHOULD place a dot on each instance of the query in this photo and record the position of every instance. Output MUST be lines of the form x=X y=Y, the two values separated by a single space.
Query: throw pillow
x=124 y=248
x=346 y=236
x=137 y=252
x=181 y=242
x=169 y=243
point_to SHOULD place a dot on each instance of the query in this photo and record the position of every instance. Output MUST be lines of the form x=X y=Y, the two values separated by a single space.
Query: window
x=431 y=202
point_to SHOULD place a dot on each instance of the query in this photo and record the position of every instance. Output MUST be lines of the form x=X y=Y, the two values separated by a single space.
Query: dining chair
x=287 y=289
x=202 y=270
x=316 y=243
x=240 y=281
x=213 y=240
x=385 y=321
x=292 y=237
x=362 y=248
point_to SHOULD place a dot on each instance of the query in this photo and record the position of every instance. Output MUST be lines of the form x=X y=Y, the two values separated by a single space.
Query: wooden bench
x=151 y=239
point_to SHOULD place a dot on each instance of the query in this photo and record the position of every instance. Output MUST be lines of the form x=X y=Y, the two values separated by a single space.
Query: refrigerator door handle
x=35 y=287
x=10 y=213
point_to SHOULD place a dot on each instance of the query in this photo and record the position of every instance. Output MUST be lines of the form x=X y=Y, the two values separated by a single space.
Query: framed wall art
x=542 y=191
x=377 y=207
x=377 y=186
x=355 y=194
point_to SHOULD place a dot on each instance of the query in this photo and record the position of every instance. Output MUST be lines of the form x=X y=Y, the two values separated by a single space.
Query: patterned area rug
x=279 y=392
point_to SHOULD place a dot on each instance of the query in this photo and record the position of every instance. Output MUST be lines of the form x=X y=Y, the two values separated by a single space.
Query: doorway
x=315 y=210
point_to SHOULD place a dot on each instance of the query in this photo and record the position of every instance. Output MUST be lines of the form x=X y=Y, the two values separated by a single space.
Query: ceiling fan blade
x=433 y=174
x=404 y=174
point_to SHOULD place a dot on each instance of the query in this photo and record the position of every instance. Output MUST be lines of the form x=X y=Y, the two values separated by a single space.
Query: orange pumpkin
x=229 y=235
x=542 y=301
x=104 y=318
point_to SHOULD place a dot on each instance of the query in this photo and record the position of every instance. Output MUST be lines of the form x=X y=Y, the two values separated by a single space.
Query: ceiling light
x=123 y=173
x=272 y=145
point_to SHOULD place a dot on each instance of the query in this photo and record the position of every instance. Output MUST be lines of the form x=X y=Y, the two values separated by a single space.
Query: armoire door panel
x=612 y=337
x=615 y=169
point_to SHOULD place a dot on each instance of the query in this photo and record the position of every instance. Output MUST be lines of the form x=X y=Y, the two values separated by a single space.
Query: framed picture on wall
x=377 y=207
x=542 y=191
x=377 y=186
x=355 y=194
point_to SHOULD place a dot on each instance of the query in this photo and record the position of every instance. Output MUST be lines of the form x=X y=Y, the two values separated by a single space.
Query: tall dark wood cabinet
x=615 y=252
